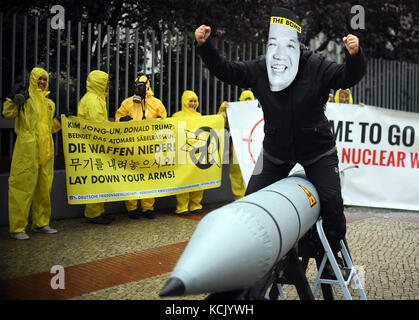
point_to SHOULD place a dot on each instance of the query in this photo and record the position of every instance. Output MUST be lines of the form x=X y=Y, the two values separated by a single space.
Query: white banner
x=378 y=151
x=246 y=128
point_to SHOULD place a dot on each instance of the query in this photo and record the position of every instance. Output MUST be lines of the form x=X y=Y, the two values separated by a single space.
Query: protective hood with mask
x=141 y=89
x=92 y=105
x=142 y=105
x=186 y=110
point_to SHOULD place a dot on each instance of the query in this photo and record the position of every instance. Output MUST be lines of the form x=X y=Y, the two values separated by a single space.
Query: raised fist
x=202 y=33
x=351 y=43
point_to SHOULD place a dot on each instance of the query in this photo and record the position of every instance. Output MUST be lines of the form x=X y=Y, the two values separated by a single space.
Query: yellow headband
x=286 y=22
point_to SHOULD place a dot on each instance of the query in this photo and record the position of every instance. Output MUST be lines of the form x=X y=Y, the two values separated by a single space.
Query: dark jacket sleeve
x=337 y=76
x=241 y=74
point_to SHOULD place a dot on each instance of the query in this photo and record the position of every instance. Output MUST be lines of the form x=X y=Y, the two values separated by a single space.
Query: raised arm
x=234 y=73
x=202 y=33
x=10 y=109
x=346 y=75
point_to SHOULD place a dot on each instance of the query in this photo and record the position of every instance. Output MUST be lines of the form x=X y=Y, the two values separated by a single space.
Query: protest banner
x=378 y=151
x=114 y=161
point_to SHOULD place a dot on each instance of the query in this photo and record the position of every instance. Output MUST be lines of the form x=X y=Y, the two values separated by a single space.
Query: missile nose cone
x=173 y=287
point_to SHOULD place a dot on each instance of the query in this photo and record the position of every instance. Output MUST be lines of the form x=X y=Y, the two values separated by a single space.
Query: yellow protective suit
x=32 y=168
x=189 y=201
x=236 y=179
x=246 y=95
x=351 y=100
x=152 y=108
x=92 y=106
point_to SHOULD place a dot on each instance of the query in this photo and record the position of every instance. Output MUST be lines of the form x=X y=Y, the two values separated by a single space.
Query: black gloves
x=16 y=89
x=70 y=112
x=335 y=229
x=67 y=114
x=126 y=118
x=19 y=94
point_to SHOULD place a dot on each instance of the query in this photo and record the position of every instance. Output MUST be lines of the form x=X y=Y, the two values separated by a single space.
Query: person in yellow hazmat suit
x=189 y=202
x=92 y=106
x=236 y=179
x=32 y=167
x=344 y=96
x=142 y=105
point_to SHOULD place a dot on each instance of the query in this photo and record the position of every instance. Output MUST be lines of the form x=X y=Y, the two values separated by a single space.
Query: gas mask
x=140 y=91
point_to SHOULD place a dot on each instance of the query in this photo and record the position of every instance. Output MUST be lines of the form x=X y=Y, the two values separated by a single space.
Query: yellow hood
x=186 y=97
x=36 y=73
x=97 y=81
x=351 y=101
x=246 y=94
x=148 y=87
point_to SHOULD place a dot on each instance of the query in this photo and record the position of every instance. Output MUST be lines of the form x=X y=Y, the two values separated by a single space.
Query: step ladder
x=349 y=271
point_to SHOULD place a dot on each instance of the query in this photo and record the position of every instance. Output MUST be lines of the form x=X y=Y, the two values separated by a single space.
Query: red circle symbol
x=250 y=139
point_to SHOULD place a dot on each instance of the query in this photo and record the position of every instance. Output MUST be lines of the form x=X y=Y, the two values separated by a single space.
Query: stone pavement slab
x=383 y=244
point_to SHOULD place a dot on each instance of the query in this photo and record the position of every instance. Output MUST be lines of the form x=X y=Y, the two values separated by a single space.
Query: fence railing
x=169 y=60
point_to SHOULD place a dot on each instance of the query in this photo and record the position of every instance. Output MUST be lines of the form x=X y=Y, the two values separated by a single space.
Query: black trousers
x=324 y=175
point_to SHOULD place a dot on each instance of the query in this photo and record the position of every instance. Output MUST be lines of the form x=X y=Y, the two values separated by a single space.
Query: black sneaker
x=328 y=272
x=149 y=214
x=99 y=220
x=107 y=216
x=198 y=211
x=134 y=215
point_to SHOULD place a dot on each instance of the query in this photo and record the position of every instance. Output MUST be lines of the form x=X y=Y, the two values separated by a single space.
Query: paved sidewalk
x=132 y=259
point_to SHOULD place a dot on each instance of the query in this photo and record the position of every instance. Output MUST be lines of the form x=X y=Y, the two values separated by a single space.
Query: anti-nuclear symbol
x=203 y=147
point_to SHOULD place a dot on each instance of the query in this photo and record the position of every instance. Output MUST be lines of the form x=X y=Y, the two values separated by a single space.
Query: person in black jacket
x=292 y=86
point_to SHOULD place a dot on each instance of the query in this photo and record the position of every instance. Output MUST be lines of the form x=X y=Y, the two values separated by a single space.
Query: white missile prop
x=235 y=246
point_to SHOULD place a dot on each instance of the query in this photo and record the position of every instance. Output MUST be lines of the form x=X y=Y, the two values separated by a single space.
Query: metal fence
x=169 y=60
